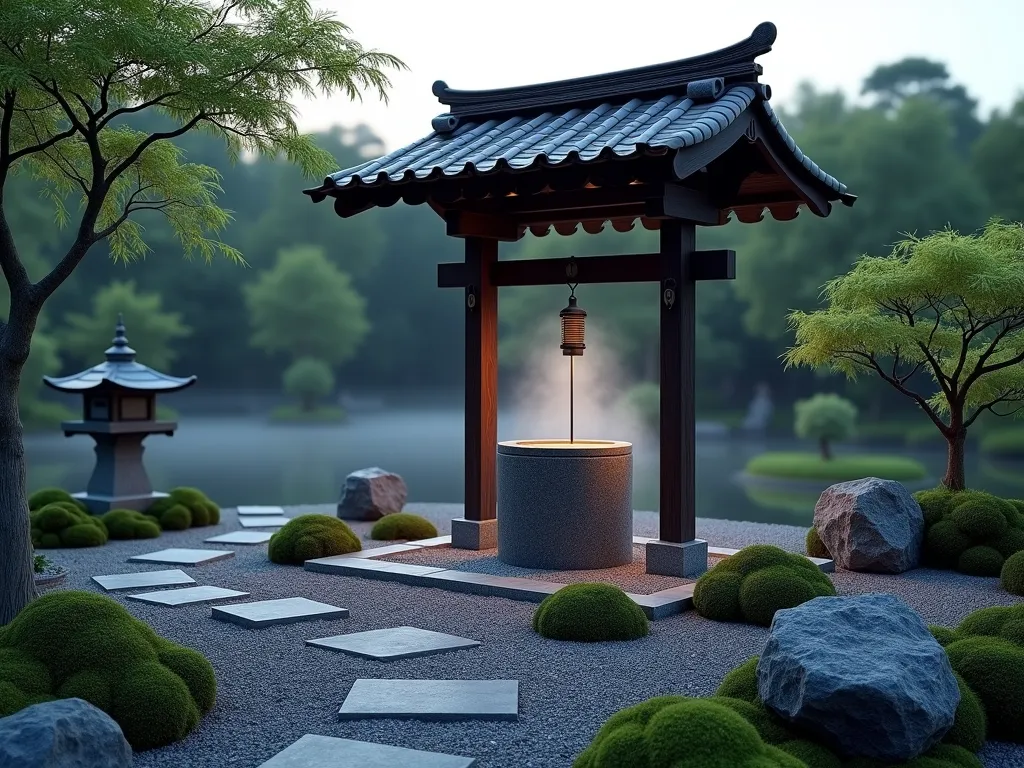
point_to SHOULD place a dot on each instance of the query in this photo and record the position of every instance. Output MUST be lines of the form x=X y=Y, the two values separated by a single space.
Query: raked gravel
x=273 y=688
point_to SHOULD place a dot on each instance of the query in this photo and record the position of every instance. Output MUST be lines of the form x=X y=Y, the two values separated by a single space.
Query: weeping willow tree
x=947 y=306
x=72 y=73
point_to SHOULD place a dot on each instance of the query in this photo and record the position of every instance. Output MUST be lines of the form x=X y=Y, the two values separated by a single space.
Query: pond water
x=246 y=460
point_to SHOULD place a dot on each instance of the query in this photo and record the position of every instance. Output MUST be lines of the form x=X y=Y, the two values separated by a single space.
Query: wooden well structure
x=672 y=146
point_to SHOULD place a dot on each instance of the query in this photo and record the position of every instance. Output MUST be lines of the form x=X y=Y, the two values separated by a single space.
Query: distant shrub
x=1004 y=442
x=826 y=419
x=1012 y=575
x=308 y=537
x=402 y=525
x=130 y=524
x=785 y=465
x=970 y=531
x=64 y=524
x=45 y=496
x=184 y=508
x=756 y=582
x=590 y=613
x=815 y=546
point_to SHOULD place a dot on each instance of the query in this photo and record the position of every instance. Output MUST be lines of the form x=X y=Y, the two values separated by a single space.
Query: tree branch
x=148 y=141
x=1017 y=397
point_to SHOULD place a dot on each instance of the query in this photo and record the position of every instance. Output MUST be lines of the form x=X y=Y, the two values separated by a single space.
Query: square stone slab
x=183 y=556
x=118 y=581
x=243 y=511
x=396 y=643
x=188 y=595
x=432 y=700
x=329 y=752
x=240 y=537
x=263 y=521
x=288 y=610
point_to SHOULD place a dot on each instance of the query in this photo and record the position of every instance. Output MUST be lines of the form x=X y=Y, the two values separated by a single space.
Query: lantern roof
x=703 y=123
x=119 y=370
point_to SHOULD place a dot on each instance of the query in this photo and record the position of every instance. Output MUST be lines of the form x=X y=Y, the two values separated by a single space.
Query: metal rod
x=572 y=358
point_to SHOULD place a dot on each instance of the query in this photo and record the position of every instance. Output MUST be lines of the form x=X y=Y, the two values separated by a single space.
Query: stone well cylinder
x=565 y=506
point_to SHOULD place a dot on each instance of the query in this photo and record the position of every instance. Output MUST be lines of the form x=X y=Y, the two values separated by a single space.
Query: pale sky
x=481 y=44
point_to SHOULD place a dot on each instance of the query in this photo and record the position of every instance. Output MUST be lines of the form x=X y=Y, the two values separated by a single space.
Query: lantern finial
x=120 y=352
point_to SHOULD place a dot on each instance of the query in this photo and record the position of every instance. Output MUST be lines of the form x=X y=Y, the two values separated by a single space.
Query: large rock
x=870 y=525
x=863 y=673
x=369 y=494
x=67 y=733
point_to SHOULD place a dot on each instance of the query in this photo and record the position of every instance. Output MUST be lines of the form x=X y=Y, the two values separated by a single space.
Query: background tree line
x=360 y=294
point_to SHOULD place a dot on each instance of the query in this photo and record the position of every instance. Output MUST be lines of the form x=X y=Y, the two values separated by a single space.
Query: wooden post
x=481 y=308
x=677 y=516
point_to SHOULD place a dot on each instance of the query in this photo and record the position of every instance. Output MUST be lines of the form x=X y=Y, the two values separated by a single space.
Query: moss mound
x=1012 y=574
x=402 y=525
x=590 y=613
x=815 y=546
x=129 y=524
x=756 y=582
x=184 y=508
x=970 y=531
x=63 y=524
x=45 y=496
x=308 y=537
x=82 y=644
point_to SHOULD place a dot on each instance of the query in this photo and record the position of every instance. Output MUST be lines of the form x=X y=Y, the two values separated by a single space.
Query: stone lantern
x=118 y=412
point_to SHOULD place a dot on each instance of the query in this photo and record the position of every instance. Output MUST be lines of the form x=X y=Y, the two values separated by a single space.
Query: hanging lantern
x=573 y=327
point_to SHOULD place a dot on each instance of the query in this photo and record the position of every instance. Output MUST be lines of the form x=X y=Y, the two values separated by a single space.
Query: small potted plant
x=48 y=574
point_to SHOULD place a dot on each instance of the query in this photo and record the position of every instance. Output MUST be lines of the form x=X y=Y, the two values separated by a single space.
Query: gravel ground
x=273 y=688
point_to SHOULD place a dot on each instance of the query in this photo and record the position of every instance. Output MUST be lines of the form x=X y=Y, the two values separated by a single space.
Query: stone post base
x=474 y=534
x=686 y=560
x=99 y=504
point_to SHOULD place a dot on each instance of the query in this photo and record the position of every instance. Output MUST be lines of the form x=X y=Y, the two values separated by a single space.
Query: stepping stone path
x=328 y=752
x=240 y=537
x=188 y=596
x=119 y=581
x=432 y=700
x=264 y=521
x=183 y=556
x=244 y=511
x=395 y=643
x=265 y=613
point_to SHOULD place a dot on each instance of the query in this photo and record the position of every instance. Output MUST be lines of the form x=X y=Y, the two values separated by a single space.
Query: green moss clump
x=756 y=582
x=308 y=537
x=675 y=730
x=184 y=508
x=741 y=682
x=46 y=496
x=71 y=643
x=815 y=546
x=981 y=518
x=811 y=754
x=969 y=531
x=1012 y=574
x=935 y=503
x=64 y=524
x=944 y=635
x=980 y=561
x=130 y=524
x=969 y=724
x=590 y=613
x=402 y=525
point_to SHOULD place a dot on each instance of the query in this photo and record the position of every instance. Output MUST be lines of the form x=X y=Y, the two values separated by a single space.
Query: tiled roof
x=130 y=375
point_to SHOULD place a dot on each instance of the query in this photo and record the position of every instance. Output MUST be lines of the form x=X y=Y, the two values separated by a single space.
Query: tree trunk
x=825 y=448
x=17 y=580
x=956 y=478
x=307 y=403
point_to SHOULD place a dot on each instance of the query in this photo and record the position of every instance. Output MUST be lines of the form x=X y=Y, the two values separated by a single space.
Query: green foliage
x=825 y=418
x=82 y=644
x=999 y=163
x=969 y=531
x=811 y=466
x=294 y=414
x=969 y=724
x=590 y=613
x=130 y=524
x=756 y=582
x=1004 y=442
x=64 y=524
x=1012 y=574
x=402 y=525
x=45 y=496
x=815 y=546
x=308 y=537
x=308 y=380
x=40 y=563
x=306 y=307
x=152 y=330
x=184 y=508
x=741 y=682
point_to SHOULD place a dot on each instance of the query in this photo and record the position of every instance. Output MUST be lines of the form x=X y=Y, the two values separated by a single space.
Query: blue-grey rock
x=67 y=733
x=871 y=525
x=369 y=494
x=863 y=673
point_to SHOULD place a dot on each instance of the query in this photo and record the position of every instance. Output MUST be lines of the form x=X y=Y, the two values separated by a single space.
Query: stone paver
x=263 y=521
x=389 y=549
x=394 y=643
x=432 y=700
x=188 y=595
x=288 y=610
x=241 y=537
x=368 y=568
x=118 y=581
x=244 y=511
x=183 y=556
x=329 y=752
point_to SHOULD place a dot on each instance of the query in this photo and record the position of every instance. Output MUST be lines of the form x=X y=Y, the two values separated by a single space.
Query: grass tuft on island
x=811 y=466
x=293 y=414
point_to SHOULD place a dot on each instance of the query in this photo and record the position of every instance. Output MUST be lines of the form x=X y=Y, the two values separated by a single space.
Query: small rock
x=870 y=525
x=62 y=734
x=369 y=494
x=863 y=673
